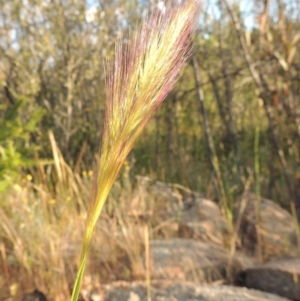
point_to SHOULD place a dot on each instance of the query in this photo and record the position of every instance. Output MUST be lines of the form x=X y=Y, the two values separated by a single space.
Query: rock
x=167 y=291
x=202 y=219
x=277 y=229
x=187 y=213
x=280 y=277
x=159 y=189
x=188 y=259
x=35 y=296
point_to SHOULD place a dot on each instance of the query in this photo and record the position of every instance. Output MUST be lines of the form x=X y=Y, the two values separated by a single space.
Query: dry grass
x=42 y=223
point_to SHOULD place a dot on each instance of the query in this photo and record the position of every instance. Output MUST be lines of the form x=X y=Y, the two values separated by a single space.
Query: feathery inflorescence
x=142 y=73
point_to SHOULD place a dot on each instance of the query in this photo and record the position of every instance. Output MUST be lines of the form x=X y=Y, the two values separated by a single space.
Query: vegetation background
x=231 y=124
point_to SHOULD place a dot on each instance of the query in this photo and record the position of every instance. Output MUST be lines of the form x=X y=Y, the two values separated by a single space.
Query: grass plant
x=45 y=178
x=138 y=80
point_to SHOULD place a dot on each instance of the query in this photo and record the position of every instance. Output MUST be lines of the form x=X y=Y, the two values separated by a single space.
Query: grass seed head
x=139 y=78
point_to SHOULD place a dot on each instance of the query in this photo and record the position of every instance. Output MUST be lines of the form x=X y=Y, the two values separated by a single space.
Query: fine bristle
x=139 y=78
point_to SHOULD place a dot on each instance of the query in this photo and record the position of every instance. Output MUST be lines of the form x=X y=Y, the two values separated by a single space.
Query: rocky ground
x=208 y=261
x=181 y=291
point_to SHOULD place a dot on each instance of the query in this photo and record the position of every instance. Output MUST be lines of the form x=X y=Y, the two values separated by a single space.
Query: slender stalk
x=257 y=189
x=147 y=262
x=209 y=138
x=142 y=74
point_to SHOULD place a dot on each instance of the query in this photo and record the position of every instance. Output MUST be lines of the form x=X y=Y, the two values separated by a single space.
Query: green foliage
x=16 y=153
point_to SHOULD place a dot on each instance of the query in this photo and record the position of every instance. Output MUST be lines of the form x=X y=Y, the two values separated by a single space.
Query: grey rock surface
x=202 y=219
x=277 y=227
x=183 y=292
x=34 y=296
x=191 y=260
x=281 y=277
